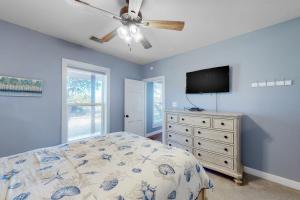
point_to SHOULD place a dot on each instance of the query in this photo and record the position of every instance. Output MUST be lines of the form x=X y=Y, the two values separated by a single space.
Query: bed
x=117 y=166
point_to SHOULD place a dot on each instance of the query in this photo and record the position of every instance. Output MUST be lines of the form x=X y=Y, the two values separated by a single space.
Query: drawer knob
x=182 y=119
x=170 y=126
x=187 y=130
x=187 y=140
x=226 y=162
x=225 y=136
x=187 y=150
x=199 y=154
x=170 y=135
x=199 y=132
x=203 y=122
x=170 y=144
x=171 y=117
x=226 y=149
x=222 y=123
x=199 y=143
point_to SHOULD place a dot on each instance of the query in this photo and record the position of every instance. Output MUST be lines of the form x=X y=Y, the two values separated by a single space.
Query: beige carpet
x=253 y=189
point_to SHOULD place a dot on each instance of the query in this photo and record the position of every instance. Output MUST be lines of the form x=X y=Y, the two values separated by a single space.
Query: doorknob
x=127 y=116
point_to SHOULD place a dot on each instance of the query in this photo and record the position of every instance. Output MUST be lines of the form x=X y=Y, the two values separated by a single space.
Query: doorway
x=154 y=107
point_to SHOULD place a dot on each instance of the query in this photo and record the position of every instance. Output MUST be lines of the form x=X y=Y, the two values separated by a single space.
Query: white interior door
x=134 y=116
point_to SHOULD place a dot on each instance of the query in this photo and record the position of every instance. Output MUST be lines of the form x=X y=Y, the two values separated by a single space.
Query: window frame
x=67 y=63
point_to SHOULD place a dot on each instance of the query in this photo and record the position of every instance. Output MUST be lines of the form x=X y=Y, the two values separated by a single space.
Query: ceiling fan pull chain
x=129 y=47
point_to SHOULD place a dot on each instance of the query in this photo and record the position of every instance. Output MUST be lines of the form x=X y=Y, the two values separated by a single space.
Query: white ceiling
x=207 y=22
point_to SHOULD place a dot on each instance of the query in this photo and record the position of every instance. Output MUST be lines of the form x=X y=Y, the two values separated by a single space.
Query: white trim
x=153 y=133
x=276 y=179
x=64 y=113
x=157 y=78
x=81 y=65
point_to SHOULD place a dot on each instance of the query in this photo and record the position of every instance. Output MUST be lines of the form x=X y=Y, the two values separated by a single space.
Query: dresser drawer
x=174 y=144
x=172 y=118
x=180 y=139
x=180 y=128
x=214 y=135
x=213 y=146
x=214 y=158
x=224 y=124
x=195 y=121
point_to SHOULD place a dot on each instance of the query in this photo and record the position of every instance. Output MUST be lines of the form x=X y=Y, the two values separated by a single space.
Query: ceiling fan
x=131 y=19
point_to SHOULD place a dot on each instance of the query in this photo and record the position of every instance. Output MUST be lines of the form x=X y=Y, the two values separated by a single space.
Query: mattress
x=117 y=166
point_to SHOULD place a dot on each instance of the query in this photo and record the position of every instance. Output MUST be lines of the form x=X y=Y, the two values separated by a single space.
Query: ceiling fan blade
x=134 y=7
x=104 y=12
x=96 y=39
x=105 y=38
x=171 y=25
x=146 y=44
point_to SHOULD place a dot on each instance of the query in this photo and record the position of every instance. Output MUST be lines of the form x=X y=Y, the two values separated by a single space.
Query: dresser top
x=227 y=114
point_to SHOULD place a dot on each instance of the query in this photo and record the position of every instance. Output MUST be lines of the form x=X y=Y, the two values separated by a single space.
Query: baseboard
x=153 y=133
x=270 y=177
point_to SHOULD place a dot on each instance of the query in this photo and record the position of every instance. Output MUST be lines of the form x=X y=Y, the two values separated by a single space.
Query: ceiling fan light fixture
x=123 y=32
x=129 y=33
x=133 y=29
x=128 y=39
x=138 y=37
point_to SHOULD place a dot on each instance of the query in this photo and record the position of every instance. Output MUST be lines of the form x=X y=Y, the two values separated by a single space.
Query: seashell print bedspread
x=118 y=166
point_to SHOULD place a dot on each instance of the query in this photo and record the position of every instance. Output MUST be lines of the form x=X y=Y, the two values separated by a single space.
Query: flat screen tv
x=213 y=80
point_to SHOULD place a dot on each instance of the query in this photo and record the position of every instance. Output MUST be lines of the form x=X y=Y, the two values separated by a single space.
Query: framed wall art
x=12 y=86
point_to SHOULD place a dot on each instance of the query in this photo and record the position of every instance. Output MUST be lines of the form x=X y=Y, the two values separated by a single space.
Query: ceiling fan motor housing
x=127 y=18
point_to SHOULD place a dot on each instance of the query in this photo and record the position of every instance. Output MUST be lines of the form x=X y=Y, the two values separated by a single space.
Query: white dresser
x=213 y=137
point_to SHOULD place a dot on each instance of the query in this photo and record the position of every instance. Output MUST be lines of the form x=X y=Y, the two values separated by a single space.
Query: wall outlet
x=279 y=83
x=174 y=104
x=270 y=83
x=262 y=84
x=254 y=85
x=288 y=82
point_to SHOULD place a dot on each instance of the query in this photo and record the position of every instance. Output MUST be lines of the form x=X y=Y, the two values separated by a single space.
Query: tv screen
x=213 y=80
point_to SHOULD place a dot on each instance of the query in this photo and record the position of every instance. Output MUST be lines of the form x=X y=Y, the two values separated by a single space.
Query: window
x=84 y=102
x=157 y=105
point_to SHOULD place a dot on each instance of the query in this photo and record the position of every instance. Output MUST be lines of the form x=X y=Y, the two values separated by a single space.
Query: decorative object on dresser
x=214 y=138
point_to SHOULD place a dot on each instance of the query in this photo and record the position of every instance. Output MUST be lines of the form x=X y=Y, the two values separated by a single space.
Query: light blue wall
x=271 y=125
x=150 y=109
x=27 y=123
x=271 y=128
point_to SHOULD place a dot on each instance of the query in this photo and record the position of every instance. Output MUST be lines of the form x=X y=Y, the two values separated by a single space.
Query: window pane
x=85 y=103
x=99 y=121
x=99 y=85
x=157 y=104
x=79 y=121
x=79 y=86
